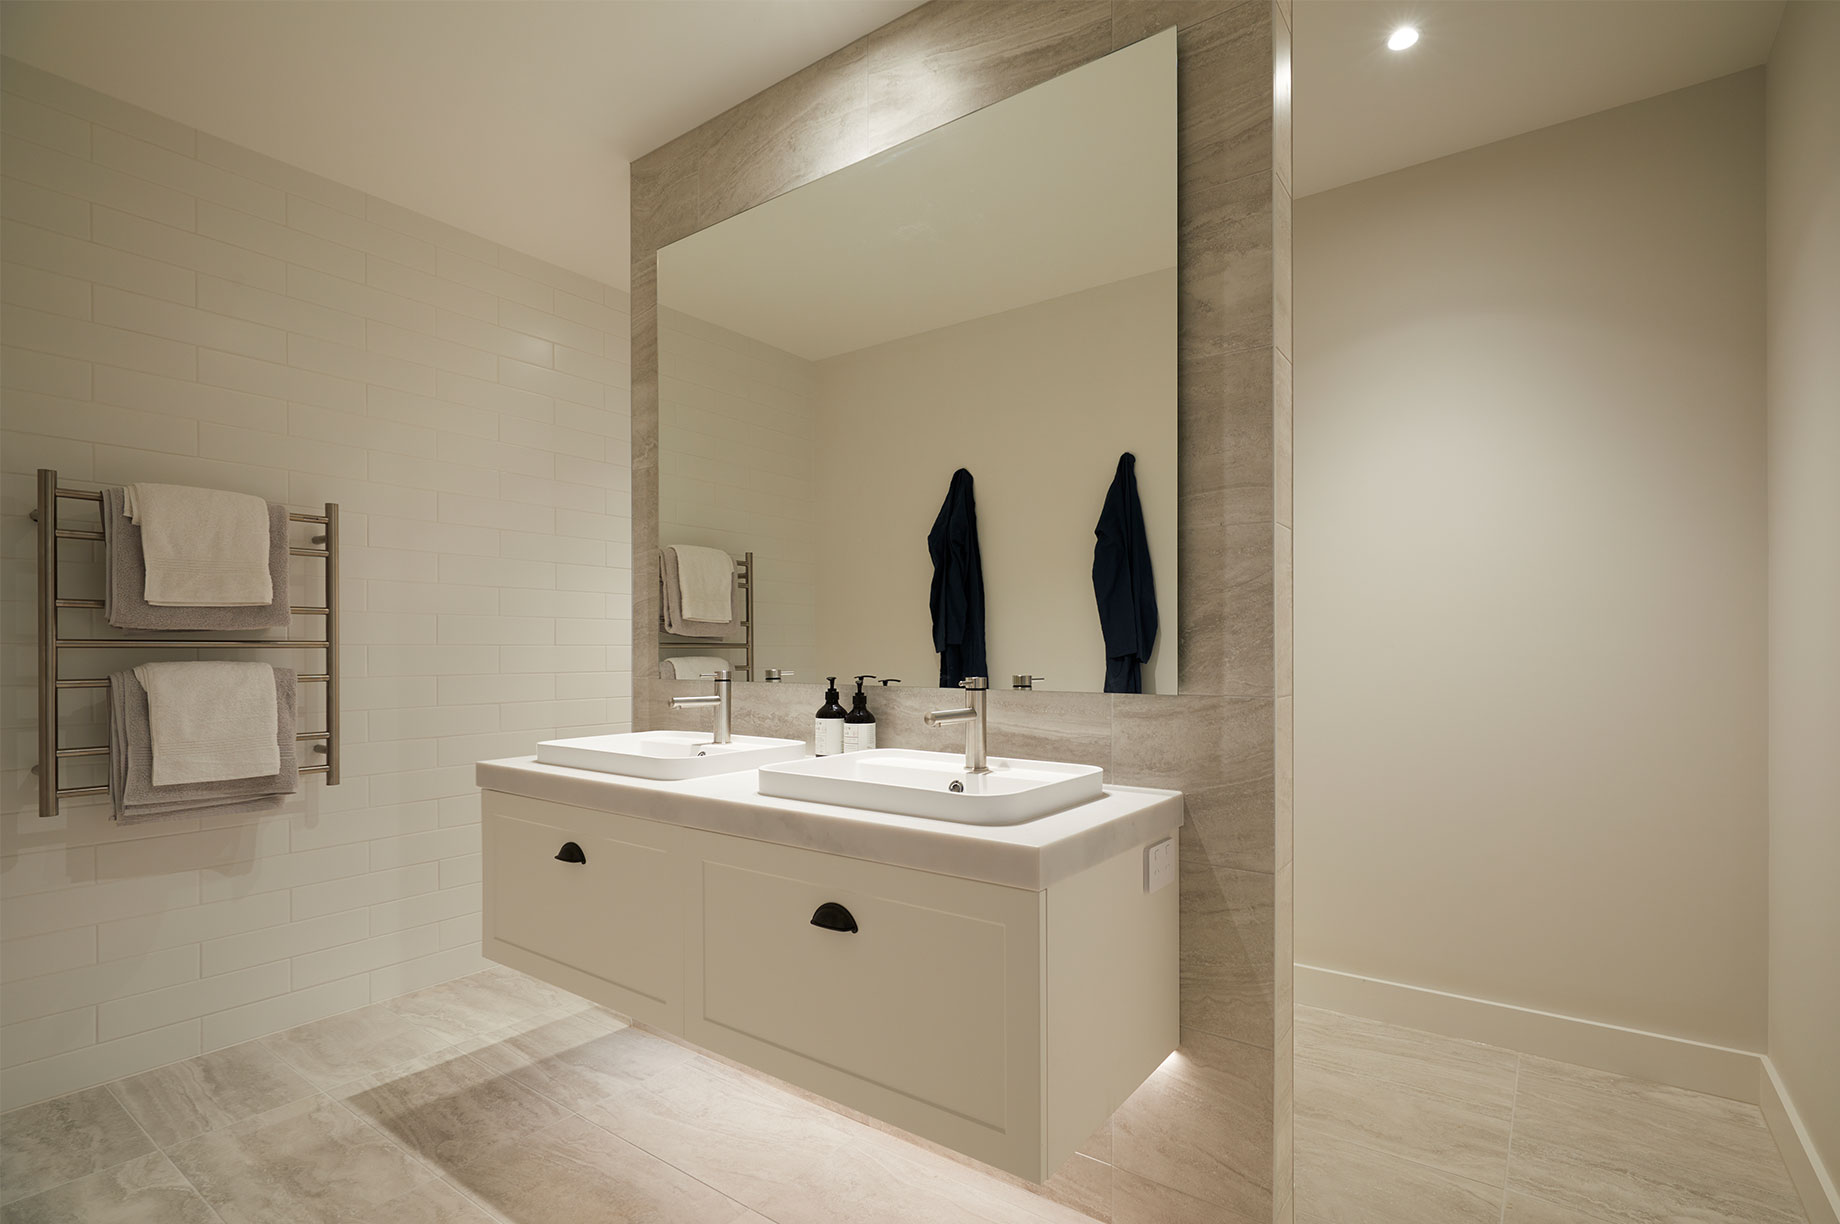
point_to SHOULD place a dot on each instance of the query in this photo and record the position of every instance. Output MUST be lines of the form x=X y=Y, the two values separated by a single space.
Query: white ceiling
x=1484 y=70
x=513 y=119
x=1063 y=187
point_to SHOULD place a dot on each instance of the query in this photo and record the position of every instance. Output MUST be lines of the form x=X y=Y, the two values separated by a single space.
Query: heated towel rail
x=677 y=644
x=51 y=642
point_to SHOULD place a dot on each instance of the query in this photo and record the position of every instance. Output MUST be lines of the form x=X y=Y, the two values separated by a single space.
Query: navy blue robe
x=1123 y=583
x=958 y=586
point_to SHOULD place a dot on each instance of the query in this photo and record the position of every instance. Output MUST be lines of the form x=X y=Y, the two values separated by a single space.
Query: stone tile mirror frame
x=1208 y=1137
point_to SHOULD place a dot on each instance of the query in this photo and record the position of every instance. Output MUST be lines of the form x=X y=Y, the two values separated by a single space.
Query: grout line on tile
x=72 y=1181
x=1507 y=1174
x=158 y=1147
x=1429 y=1168
x=434 y=1172
x=636 y=1146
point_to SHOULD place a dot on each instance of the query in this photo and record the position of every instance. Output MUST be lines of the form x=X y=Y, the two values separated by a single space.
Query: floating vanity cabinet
x=927 y=1015
x=589 y=901
x=1001 y=1021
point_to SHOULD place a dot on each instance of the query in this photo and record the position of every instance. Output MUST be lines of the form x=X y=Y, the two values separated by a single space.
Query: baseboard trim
x=1812 y=1181
x=1695 y=1065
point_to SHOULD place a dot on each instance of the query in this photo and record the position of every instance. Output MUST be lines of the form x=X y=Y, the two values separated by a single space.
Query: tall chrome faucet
x=976 y=740
x=719 y=700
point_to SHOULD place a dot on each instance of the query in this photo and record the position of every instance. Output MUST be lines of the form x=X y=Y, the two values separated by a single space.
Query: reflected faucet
x=972 y=716
x=719 y=700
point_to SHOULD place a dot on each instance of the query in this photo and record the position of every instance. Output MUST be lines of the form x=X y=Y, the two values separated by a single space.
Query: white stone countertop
x=1032 y=855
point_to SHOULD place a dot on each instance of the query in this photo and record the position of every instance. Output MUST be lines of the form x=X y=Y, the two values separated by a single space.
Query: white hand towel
x=204 y=548
x=706 y=581
x=210 y=722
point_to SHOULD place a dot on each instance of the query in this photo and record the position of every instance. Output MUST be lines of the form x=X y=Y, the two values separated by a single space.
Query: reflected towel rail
x=744 y=582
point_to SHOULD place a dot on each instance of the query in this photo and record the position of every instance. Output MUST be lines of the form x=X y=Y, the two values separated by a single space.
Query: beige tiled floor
x=1396 y=1126
x=491 y=1098
x=497 y=1098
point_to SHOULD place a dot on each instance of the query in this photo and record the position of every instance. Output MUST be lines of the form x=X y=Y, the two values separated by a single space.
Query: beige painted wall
x=1530 y=570
x=1802 y=160
x=1038 y=403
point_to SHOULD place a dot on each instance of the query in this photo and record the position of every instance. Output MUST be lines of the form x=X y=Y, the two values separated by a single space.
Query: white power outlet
x=1160 y=865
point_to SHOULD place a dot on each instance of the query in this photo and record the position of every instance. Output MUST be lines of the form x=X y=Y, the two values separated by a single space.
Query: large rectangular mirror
x=997 y=297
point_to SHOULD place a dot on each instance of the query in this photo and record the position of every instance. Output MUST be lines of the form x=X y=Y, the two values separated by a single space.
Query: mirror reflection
x=918 y=418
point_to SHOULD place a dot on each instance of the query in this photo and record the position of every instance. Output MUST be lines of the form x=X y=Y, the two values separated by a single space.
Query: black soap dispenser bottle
x=859 y=724
x=827 y=727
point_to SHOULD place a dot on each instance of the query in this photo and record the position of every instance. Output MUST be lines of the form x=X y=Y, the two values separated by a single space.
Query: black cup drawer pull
x=833 y=917
x=570 y=853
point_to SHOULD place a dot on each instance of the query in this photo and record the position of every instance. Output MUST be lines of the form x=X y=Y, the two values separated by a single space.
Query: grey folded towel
x=131 y=787
x=671 y=605
x=125 y=592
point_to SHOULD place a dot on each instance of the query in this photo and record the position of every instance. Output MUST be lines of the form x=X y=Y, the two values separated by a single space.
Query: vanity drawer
x=566 y=888
x=919 y=1002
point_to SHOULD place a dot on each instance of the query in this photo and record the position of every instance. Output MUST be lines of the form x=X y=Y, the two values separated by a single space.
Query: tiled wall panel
x=180 y=309
x=737 y=452
x=1208 y=1137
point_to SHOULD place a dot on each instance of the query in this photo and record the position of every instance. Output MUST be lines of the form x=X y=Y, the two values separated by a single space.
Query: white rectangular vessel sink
x=668 y=756
x=935 y=785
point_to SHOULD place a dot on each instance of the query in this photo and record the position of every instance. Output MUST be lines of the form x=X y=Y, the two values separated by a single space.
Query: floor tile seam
x=1463 y=1046
x=164 y=1154
x=1370 y=1025
x=639 y=1147
x=262 y=1039
x=1714 y=1145
x=161 y=1152
x=526 y=1136
x=394 y=1070
x=1441 y=1092
x=1748 y=1201
x=71 y=1181
x=444 y=1172
x=434 y=1173
x=283 y=1058
x=1384 y=1085
x=441 y=1034
x=312 y=1091
x=723 y=1194
x=426 y=1164
x=1508 y=1170
x=1460 y=1062
x=450 y=1176
x=534 y=1091
x=1564 y=1097
x=1728 y=1195
x=466 y=1192
x=1431 y=1168
x=1525 y=1193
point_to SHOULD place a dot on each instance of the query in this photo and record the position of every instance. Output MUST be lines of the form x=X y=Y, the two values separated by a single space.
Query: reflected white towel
x=204 y=548
x=691 y=667
x=705 y=582
x=211 y=722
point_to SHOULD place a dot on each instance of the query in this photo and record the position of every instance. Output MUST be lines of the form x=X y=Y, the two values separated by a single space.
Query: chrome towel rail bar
x=51 y=643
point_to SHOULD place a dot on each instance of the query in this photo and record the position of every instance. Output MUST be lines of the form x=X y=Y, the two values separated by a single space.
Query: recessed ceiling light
x=1402 y=38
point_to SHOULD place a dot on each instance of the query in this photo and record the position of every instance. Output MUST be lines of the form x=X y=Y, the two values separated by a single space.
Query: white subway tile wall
x=177 y=308
x=737 y=469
